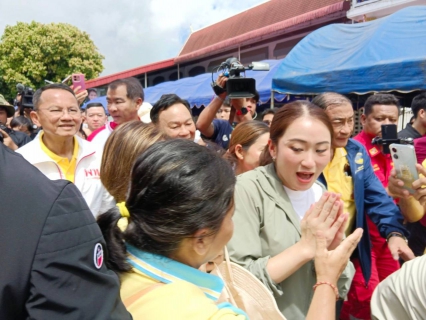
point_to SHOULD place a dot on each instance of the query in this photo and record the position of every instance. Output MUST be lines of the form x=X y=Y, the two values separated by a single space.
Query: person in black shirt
x=10 y=138
x=418 y=128
x=52 y=264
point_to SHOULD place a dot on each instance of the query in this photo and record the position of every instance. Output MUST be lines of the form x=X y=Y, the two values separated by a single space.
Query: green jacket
x=265 y=225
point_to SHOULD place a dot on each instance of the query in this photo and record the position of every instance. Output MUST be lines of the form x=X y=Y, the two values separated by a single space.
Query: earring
x=274 y=158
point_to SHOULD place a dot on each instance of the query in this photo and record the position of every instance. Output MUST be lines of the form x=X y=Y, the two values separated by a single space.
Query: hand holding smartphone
x=405 y=160
x=78 y=81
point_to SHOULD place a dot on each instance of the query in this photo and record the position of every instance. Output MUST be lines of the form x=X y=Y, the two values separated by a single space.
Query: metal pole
x=272 y=99
x=403 y=118
x=146 y=80
x=239 y=53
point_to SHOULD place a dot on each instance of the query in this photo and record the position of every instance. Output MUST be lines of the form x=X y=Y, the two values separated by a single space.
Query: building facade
x=267 y=31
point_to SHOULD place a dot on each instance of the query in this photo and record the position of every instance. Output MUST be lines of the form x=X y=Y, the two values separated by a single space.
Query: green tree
x=33 y=52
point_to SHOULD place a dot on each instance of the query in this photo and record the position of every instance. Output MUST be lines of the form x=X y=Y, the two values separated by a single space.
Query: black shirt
x=409 y=132
x=19 y=138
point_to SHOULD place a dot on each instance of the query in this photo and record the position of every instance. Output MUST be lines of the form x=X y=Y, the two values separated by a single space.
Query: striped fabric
x=167 y=270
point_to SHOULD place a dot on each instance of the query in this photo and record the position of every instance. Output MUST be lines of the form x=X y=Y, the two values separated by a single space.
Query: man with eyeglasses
x=58 y=153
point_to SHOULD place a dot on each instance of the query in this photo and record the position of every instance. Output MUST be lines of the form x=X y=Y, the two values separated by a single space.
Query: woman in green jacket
x=274 y=238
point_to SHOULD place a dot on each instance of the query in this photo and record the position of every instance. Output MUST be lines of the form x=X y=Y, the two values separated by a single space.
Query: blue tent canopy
x=198 y=91
x=388 y=54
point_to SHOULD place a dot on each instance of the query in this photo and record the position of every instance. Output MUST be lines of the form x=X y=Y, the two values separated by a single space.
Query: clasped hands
x=323 y=230
x=326 y=216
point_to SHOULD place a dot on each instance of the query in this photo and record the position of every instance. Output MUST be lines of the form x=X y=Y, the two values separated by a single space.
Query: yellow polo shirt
x=187 y=293
x=67 y=166
x=339 y=181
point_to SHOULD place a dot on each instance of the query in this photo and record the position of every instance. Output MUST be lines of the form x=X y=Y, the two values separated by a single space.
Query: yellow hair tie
x=123 y=210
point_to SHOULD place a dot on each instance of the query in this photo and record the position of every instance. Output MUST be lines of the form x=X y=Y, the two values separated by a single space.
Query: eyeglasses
x=59 y=113
x=268 y=122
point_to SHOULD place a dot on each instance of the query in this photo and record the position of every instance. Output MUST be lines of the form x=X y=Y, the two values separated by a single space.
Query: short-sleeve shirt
x=19 y=138
x=409 y=132
x=222 y=132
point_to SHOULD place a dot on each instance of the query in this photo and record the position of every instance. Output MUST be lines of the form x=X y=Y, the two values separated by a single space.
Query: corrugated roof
x=261 y=16
x=129 y=73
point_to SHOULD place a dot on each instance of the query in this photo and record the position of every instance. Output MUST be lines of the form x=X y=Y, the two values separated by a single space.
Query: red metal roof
x=257 y=22
x=129 y=73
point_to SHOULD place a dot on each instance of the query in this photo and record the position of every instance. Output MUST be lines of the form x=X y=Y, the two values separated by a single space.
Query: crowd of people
x=107 y=217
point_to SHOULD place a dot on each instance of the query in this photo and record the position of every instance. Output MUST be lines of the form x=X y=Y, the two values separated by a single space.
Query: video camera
x=389 y=136
x=26 y=94
x=237 y=86
x=5 y=129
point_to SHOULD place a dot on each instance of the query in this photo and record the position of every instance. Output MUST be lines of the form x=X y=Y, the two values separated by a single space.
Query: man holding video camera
x=10 y=138
x=218 y=130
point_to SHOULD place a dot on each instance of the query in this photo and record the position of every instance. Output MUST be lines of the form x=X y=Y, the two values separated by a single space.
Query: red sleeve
x=420 y=148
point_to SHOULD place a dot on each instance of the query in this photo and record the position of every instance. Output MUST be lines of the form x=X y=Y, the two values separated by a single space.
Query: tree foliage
x=33 y=52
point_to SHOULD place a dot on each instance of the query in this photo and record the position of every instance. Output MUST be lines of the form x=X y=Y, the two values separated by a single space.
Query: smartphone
x=405 y=160
x=78 y=81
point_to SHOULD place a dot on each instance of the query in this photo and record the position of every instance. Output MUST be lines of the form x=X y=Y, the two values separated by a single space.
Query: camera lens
x=395 y=156
x=394 y=150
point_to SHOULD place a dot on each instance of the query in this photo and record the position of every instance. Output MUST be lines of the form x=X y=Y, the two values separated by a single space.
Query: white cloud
x=129 y=33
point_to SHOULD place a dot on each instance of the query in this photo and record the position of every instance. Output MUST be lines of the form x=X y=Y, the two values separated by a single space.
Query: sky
x=129 y=33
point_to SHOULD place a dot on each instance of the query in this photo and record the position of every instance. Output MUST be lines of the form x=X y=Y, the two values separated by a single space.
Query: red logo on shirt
x=92 y=173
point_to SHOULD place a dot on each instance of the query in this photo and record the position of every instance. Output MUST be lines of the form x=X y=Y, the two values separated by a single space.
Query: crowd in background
x=118 y=218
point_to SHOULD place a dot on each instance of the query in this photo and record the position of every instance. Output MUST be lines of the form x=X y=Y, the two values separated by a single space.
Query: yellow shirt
x=339 y=182
x=187 y=293
x=179 y=300
x=67 y=167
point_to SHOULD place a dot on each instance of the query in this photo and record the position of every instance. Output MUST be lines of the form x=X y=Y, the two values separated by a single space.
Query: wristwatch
x=396 y=234
x=242 y=112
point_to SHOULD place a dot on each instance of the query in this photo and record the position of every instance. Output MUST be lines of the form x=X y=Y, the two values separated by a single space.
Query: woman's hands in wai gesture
x=326 y=216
